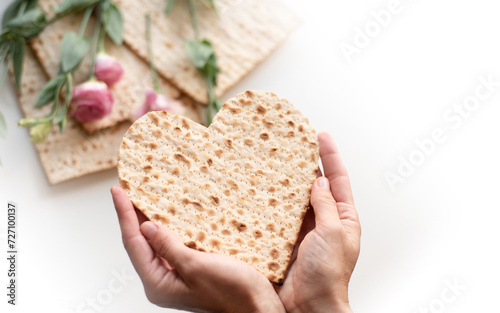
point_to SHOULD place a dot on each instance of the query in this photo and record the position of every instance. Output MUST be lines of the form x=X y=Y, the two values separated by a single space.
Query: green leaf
x=203 y=56
x=5 y=41
x=170 y=6
x=14 y=9
x=211 y=70
x=105 y=4
x=28 y=25
x=5 y=71
x=3 y=126
x=199 y=52
x=113 y=24
x=31 y=4
x=11 y=12
x=73 y=50
x=4 y=50
x=50 y=91
x=70 y=6
x=17 y=61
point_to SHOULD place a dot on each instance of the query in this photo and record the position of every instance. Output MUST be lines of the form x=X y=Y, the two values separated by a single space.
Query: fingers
x=323 y=203
x=334 y=169
x=137 y=247
x=168 y=245
x=340 y=186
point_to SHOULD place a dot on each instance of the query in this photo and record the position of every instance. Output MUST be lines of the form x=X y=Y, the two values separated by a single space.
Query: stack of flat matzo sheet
x=243 y=33
x=74 y=152
x=129 y=92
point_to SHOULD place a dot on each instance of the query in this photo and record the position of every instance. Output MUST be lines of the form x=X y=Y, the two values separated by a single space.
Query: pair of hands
x=327 y=249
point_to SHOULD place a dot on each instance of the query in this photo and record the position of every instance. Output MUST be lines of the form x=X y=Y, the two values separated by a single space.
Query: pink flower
x=107 y=69
x=91 y=101
x=156 y=102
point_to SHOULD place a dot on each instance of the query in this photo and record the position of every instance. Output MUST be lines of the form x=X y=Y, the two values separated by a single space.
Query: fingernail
x=323 y=183
x=148 y=229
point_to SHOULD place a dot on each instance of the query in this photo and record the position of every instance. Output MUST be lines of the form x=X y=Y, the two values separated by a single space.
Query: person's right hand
x=328 y=244
x=175 y=276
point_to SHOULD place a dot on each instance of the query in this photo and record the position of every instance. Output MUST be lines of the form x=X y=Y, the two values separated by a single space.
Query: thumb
x=323 y=203
x=167 y=244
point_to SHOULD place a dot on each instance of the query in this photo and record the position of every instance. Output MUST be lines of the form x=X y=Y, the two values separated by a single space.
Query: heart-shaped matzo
x=240 y=187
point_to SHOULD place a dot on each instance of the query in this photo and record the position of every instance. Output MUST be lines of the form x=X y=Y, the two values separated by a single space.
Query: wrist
x=264 y=300
x=332 y=303
x=326 y=308
x=268 y=302
x=342 y=308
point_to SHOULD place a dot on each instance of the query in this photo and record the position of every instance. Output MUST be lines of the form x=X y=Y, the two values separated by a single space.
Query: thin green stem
x=214 y=105
x=210 y=91
x=69 y=89
x=95 y=42
x=154 y=74
x=85 y=20
x=194 y=19
x=102 y=37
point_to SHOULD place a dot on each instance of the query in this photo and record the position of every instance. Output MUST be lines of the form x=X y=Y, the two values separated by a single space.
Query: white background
x=440 y=224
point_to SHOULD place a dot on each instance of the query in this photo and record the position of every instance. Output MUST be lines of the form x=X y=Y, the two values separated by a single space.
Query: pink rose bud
x=156 y=102
x=91 y=101
x=107 y=69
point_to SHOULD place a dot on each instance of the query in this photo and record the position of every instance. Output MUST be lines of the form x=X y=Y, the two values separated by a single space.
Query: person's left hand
x=179 y=277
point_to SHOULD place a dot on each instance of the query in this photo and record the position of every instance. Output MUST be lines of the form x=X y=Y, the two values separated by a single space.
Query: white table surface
x=440 y=224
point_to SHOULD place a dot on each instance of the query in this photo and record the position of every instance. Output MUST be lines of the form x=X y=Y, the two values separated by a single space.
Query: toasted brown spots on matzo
x=233 y=251
x=273 y=266
x=161 y=218
x=264 y=136
x=185 y=123
x=215 y=200
x=261 y=109
x=235 y=110
x=289 y=246
x=274 y=253
x=267 y=122
x=157 y=132
x=273 y=202
x=257 y=233
x=201 y=235
x=239 y=225
x=215 y=242
x=249 y=142
x=182 y=158
x=228 y=142
x=125 y=184
x=237 y=186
